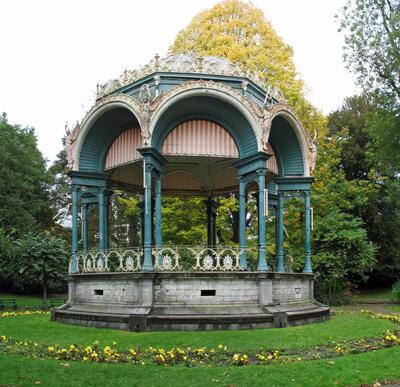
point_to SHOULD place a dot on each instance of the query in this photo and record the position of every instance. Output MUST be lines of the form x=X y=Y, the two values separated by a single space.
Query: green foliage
x=372 y=50
x=238 y=31
x=36 y=261
x=375 y=188
x=24 y=181
x=125 y=220
x=395 y=295
x=60 y=190
x=342 y=253
x=184 y=221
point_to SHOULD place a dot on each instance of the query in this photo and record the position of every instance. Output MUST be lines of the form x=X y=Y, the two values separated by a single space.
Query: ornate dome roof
x=180 y=63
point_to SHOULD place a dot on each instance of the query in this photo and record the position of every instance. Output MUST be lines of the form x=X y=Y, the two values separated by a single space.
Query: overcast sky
x=54 y=52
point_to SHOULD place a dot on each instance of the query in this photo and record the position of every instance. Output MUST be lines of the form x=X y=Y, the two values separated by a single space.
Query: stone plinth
x=190 y=300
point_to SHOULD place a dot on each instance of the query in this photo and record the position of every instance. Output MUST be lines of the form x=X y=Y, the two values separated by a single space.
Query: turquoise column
x=148 y=261
x=102 y=221
x=280 y=265
x=158 y=216
x=85 y=230
x=74 y=228
x=262 y=261
x=307 y=260
x=106 y=209
x=242 y=222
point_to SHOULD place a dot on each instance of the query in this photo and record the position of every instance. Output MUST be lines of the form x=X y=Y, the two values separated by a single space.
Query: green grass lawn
x=342 y=326
x=373 y=294
x=343 y=371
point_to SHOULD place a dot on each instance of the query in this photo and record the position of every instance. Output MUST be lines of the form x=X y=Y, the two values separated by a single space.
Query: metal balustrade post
x=102 y=232
x=280 y=265
x=85 y=229
x=158 y=215
x=307 y=243
x=242 y=222
x=262 y=260
x=147 y=261
x=74 y=228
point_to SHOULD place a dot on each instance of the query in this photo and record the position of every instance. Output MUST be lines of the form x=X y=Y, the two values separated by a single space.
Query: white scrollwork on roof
x=179 y=63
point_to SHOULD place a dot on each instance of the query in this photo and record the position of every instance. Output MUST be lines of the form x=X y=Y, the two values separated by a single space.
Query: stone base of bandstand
x=190 y=301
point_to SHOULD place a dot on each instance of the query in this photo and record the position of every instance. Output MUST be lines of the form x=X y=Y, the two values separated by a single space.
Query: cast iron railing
x=171 y=258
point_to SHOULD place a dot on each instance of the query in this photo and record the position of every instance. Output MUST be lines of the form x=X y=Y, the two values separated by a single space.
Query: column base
x=262 y=261
x=280 y=265
x=148 y=260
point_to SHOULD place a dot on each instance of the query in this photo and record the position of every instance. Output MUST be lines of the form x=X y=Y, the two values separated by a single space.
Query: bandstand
x=184 y=125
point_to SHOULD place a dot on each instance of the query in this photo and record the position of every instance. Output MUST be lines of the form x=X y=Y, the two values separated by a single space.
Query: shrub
x=396 y=291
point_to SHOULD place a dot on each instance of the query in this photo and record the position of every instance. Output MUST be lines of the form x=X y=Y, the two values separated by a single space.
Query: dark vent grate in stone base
x=208 y=292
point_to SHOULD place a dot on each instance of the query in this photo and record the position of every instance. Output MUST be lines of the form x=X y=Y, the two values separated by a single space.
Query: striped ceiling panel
x=124 y=149
x=200 y=138
x=272 y=164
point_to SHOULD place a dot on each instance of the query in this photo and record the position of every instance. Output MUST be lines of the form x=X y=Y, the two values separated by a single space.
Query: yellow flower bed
x=22 y=313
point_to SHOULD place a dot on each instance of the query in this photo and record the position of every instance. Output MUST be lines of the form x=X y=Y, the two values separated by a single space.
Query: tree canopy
x=239 y=32
x=24 y=181
x=372 y=50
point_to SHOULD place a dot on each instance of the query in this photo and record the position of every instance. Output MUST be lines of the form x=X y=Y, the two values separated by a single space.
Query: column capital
x=261 y=171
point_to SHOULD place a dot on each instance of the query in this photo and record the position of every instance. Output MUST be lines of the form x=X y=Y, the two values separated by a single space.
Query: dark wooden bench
x=7 y=304
x=57 y=302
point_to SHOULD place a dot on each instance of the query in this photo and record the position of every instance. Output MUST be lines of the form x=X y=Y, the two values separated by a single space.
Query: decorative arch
x=290 y=141
x=210 y=101
x=109 y=117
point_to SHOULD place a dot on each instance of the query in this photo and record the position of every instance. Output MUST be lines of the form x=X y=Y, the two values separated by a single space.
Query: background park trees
x=32 y=256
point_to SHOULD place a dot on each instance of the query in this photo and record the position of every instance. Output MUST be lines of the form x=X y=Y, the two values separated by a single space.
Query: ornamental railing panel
x=172 y=259
x=113 y=260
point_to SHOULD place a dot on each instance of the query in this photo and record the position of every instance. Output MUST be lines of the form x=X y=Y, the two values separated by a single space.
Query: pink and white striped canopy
x=190 y=138
x=200 y=138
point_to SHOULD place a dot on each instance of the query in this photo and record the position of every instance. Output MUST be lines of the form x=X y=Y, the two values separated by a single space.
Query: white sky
x=52 y=53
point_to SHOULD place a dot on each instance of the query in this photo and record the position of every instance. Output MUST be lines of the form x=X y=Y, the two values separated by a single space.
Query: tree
x=372 y=37
x=344 y=255
x=377 y=186
x=372 y=52
x=24 y=181
x=239 y=32
x=184 y=221
x=60 y=190
x=36 y=261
